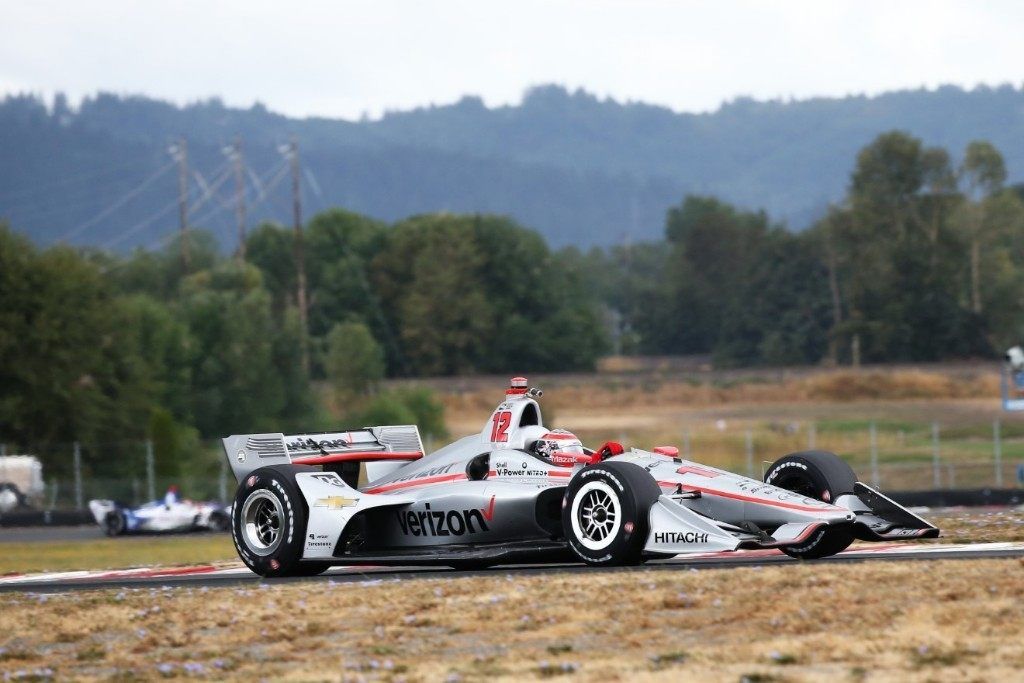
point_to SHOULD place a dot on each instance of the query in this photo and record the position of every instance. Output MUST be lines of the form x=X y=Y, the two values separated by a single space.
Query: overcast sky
x=346 y=58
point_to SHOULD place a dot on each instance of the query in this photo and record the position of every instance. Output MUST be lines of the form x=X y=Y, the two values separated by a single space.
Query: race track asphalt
x=214 y=576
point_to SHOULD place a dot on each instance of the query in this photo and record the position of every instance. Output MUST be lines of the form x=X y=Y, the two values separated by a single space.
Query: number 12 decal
x=502 y=420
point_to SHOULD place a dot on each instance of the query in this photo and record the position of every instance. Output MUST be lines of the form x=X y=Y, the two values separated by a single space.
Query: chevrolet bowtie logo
x=335 y=502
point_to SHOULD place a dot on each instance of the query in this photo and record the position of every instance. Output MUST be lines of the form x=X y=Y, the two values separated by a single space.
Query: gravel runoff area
x=891 y=621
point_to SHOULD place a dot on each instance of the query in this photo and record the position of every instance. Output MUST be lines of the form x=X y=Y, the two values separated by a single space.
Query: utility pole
x=150 y=471
x=179 y=152
x=77 y=464
x=291 y=152
x=234 y=153
x=997 y=449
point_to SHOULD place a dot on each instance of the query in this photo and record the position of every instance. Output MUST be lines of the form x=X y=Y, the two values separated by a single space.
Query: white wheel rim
x=596 y=515
x=262 y=522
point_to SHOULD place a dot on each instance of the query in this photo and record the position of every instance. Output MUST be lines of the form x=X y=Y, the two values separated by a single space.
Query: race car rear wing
x=382 y=445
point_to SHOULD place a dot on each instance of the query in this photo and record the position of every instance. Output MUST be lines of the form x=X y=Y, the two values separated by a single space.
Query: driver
x=558 y=447
x=171 y=497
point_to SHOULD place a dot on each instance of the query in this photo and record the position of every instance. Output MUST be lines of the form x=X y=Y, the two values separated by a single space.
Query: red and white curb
x=871 y=550
x=238 y=570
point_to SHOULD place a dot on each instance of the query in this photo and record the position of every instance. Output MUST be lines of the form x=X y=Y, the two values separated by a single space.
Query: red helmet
x=516 y=386
x=559 y=447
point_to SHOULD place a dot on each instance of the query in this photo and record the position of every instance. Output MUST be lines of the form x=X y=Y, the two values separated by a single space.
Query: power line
x=161 y=213
x=46 y=187
x=83 y=196
x=281 y=170
x=140 y=225
x=116 y=205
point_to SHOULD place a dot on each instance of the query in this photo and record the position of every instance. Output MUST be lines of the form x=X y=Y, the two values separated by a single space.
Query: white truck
x=21 y=481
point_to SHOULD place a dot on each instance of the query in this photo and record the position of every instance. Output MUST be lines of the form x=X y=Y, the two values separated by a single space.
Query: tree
x=72 y=368
x=713 y=247
x=236 y=386
x=886 y=180
x=405 y=406
x=984 y=173
x=354 y=361
x=782 y=314
x=429 y=279
x=1001 y=258
x=480 y=293
x=897 y=252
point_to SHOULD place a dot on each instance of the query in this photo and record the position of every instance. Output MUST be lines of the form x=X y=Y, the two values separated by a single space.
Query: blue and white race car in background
x=168 y=515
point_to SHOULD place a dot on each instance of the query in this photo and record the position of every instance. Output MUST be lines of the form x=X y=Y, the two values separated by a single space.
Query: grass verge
x=115 y=553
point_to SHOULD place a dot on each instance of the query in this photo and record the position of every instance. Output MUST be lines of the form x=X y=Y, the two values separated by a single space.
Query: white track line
x=872 y=549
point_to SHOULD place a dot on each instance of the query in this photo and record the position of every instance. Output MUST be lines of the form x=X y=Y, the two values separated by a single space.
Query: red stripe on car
x=356 y=456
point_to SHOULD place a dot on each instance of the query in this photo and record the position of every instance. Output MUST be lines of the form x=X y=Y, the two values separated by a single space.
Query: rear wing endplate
x=247 y=452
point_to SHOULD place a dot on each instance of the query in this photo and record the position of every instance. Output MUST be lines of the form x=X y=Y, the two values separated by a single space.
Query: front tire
x=605 y=513
x=823 y=476
x=268 y=522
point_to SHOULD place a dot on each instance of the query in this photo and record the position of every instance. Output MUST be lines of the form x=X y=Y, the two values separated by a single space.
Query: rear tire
x=114 y=523
x=605 y=513
x=219 y=521
x=823 y=476
x=268 y=522
x=11 y=498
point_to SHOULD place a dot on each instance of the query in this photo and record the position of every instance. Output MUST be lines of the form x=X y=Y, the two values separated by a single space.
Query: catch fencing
x=70 y=483
x=889 y=456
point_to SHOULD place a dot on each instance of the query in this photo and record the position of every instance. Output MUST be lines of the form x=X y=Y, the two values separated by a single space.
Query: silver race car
x=520 y=492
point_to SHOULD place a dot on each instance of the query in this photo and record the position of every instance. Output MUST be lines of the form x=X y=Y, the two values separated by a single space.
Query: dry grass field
x=881 y=621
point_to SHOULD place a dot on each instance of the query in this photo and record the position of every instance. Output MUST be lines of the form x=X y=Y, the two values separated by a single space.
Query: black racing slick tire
x=219 y=521
x=823 y=476
x=268 y=522
x=14 y=496
x=114 y=523
x=605 y=513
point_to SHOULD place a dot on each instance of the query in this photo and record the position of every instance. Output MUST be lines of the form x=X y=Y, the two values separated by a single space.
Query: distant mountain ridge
x=579 y=169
